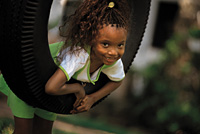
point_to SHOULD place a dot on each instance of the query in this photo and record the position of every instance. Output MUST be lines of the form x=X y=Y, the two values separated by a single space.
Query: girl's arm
x=89 y=100
x=56 y=85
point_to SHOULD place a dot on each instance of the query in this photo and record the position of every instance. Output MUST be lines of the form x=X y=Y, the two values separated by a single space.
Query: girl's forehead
x=112 y=34
x=112 y=29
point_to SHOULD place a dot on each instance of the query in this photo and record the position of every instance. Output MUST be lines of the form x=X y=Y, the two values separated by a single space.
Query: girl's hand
x=79 y=96
x=86 y=104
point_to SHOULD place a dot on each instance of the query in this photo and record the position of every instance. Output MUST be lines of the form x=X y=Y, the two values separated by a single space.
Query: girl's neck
x=95 y=64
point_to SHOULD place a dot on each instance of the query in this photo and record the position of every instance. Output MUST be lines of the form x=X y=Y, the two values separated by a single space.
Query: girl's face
x=109 y=45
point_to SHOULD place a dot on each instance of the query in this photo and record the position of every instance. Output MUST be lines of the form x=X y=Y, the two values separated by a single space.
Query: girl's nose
x=112 y=52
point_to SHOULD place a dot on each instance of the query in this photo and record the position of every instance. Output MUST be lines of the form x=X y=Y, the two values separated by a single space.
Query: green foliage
x=94 y=124
x=6 y=126
x=195 y=33
x=170 y=102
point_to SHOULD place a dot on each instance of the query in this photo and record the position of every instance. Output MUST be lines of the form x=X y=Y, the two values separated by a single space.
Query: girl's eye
x=120 y=45
x=105 y=44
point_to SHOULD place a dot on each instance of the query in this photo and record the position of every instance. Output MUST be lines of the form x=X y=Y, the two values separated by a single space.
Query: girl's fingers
x=72 y=111
x=77 y=103
x=80 y=101
x=82 y=108
x=85 y=99
x=77 y=111
x=80 y=105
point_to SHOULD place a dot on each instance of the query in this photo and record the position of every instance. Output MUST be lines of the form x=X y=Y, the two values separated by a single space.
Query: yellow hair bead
x=111 y=4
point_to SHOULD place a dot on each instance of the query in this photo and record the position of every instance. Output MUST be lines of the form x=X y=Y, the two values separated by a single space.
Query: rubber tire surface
x=25 y=59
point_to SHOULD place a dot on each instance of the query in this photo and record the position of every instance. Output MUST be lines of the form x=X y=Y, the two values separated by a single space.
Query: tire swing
x=25 y=58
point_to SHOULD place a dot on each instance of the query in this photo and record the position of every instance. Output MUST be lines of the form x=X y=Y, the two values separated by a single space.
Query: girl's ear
x=93 y=41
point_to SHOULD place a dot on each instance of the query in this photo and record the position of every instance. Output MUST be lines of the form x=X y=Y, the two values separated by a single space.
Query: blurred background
x=160 y=94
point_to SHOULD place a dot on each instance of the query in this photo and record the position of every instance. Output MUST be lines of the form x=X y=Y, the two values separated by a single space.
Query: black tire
x=25 y=59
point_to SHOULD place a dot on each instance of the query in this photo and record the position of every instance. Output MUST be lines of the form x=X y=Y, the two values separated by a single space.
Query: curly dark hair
x=83 y=26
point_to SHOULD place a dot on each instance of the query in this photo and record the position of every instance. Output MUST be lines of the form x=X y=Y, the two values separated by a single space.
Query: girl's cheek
x=122 y=52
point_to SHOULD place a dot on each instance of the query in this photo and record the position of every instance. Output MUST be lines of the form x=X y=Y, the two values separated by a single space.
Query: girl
x=95 y=42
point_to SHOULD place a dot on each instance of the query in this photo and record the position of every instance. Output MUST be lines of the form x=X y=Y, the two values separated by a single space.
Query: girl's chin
x=109 y=62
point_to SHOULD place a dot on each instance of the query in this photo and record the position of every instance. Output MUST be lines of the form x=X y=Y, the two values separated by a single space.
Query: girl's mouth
x=110 y=59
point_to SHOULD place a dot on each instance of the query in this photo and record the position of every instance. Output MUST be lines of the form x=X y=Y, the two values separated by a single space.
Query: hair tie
x=111 y=4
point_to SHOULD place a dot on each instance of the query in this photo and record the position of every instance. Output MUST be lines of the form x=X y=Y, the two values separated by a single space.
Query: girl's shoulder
x=115 y=72
x=55 y=48
x=69 y=53
x=78 y=54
